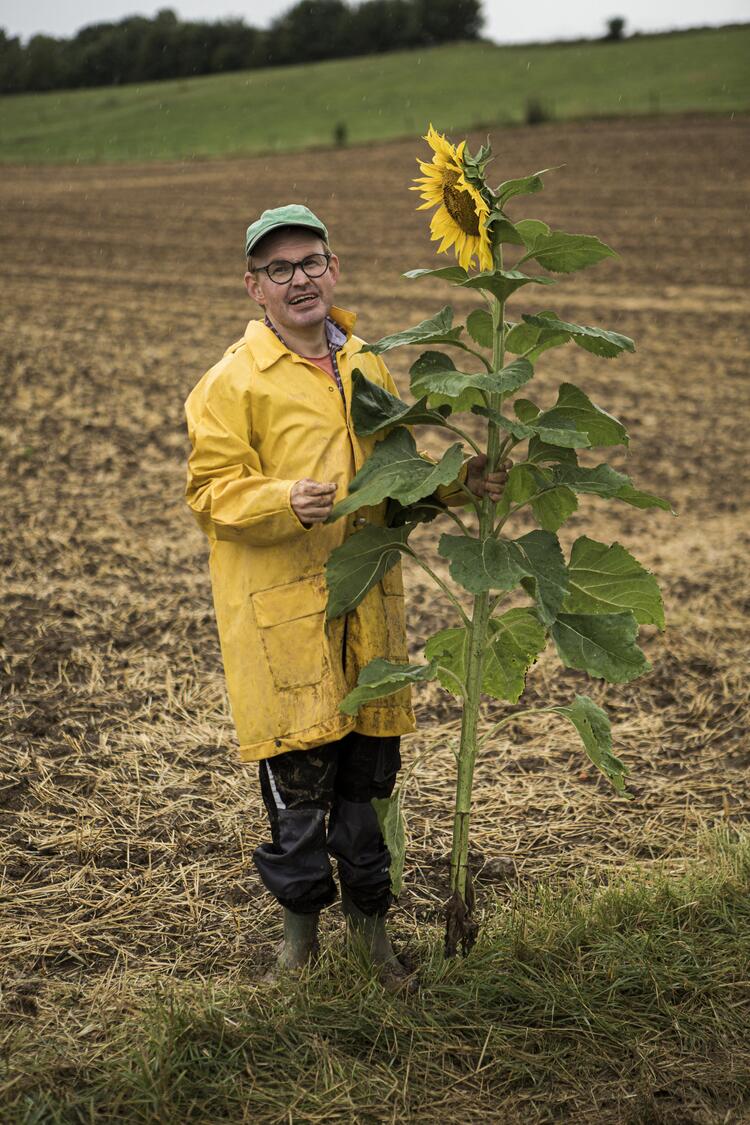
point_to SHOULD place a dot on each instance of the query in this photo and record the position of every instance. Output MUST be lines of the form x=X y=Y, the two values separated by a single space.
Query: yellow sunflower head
x=461 y=211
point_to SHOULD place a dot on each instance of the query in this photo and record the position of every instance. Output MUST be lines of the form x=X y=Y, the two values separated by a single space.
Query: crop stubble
x=126 y=822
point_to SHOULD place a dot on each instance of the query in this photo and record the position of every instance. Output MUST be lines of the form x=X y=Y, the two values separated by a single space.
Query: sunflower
x=461 y=209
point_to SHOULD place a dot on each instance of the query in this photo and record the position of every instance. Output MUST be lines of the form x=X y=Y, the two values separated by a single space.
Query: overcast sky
x=506 y=21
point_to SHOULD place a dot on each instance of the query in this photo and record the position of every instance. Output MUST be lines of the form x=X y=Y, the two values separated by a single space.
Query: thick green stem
x=476 y=643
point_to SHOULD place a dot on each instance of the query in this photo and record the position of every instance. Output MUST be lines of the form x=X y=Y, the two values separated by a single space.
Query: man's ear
x=254 y=288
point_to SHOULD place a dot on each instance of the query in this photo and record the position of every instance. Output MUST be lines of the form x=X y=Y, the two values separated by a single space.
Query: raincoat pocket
x=291 y=624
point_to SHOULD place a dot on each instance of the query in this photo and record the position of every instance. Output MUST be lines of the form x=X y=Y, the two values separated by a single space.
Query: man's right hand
x=312 y=500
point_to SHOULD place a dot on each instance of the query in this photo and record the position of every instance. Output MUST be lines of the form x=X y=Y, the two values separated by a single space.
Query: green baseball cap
x=291 y=215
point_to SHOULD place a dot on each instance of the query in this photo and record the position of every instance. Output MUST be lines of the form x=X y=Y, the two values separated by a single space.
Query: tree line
x=138 y=49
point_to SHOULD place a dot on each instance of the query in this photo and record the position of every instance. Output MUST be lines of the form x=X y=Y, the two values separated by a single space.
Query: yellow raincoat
x=259 y=420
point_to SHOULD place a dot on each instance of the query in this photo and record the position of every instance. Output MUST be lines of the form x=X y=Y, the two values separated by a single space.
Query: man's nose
x=297 y=266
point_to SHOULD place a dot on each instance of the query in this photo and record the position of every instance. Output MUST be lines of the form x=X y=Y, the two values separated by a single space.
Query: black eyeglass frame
x=300 y=262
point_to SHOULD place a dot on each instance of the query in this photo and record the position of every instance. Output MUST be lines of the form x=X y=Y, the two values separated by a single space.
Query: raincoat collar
x=267 y=348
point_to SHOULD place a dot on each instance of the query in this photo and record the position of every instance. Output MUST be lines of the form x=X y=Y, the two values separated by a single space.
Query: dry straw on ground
x=126 y=824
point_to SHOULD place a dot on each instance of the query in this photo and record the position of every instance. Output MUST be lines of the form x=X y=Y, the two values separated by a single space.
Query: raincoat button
x=278 y=742
x=360 y=521
x=330 y=389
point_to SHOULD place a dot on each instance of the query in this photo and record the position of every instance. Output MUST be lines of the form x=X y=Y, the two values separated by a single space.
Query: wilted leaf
x=381 y=678
x=603 y=645
x=592 y=724
x=607 y=579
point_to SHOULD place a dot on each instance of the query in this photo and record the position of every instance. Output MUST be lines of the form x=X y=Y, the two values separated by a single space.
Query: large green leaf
x=382 y=677
x=525 y=409
x=483 y=564
x=517 y=638
x=574 y=406
x=565 y=435
x=502 y=283
x=603 y=480
x=602 y=645
x=435 y=375
x=479 y=327
x=592 y=724
x=395 y=468
x=374 y=408
x=607 y=579
x=564 y=253
x=514 y=641
x=525 y=185
x=391 y=823
x=435 y=330
x=361 y=561
x=503 y=230
x=530 y=230
x=600 y=341
x=438 y=363
x=455 y=274
x=540 y=452
x=534 y=339
x=637 y=499
x=447 y=651
x=553 y=506
x=548 y=581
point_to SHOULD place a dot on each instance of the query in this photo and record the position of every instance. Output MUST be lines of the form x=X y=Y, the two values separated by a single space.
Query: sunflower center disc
x=459 y=204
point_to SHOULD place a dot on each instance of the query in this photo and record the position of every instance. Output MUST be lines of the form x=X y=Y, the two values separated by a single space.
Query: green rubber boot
x=299 y=947
x=369 y=931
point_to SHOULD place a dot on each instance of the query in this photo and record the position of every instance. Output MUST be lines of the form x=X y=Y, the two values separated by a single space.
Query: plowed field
x=126 y=823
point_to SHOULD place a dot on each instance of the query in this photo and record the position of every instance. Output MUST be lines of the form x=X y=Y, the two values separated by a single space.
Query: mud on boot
x=300 y=947
x=369 y=931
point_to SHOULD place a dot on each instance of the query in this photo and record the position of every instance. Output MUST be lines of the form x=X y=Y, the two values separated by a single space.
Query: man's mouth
x=304 y=299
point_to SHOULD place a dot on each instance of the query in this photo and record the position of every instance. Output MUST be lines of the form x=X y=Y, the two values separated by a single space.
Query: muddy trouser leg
x=297 y=789
x=367 y=768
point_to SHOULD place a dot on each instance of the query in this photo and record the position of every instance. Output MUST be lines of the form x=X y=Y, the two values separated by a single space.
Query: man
x=273 y=448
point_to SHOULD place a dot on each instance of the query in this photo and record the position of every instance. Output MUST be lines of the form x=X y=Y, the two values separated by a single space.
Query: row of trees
x=138 y=49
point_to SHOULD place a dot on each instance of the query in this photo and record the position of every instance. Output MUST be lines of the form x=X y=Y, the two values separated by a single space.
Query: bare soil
x=126 y=822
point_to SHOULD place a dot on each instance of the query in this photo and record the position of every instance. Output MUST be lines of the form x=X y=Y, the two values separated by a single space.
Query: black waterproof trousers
x=303 y=787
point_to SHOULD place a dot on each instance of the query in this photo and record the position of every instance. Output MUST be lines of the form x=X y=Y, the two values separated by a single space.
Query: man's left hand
x=482 y=483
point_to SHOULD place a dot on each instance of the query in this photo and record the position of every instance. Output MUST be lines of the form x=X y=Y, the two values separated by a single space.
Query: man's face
x=302 y=302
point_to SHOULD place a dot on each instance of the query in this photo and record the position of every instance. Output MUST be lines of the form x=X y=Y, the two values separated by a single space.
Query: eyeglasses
x=281 y=271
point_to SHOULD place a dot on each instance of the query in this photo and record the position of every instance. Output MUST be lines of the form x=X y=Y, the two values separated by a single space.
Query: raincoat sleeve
x=227 y=492
x=451 y=494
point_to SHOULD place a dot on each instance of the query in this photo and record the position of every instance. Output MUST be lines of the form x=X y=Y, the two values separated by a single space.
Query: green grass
x=625 y=1003
x=379 y=97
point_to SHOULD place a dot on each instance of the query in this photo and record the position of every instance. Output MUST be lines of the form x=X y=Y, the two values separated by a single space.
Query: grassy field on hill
x=379 y=98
